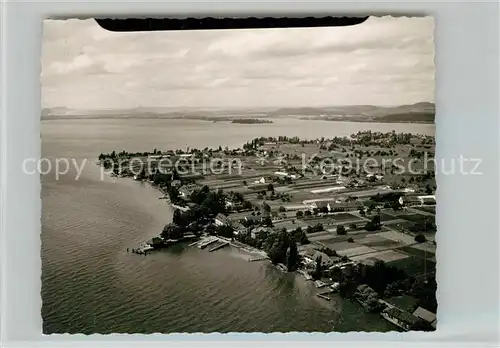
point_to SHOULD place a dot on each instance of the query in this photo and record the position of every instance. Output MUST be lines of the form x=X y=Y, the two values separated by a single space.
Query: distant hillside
x=419 y=112
x=420 y=117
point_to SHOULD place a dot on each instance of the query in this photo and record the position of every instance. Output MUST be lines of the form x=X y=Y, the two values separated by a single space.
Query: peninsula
x=356 y=214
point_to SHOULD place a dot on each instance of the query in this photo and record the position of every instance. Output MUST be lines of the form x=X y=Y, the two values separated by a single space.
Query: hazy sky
x=384 y=61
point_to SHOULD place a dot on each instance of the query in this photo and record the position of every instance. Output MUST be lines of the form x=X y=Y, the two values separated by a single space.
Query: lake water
x=90 y=284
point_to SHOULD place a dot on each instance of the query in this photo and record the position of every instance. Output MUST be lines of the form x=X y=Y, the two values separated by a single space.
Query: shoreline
x=272 y=119
x=243 y=247
x=219 y=205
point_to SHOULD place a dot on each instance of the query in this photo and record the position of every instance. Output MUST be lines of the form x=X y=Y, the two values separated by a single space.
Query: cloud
x=382 y=61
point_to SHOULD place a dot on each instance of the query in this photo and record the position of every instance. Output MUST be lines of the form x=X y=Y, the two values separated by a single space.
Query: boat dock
x=143 y=249
x=320 y=284
x=206 y=242
x=218 y=245
x=323 y=296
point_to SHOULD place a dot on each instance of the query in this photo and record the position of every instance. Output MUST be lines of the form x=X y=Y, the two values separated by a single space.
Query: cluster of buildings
x=416 y=200
x=408 y=321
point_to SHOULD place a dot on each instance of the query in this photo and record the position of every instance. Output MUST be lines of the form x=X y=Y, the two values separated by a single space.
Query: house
x=375 y=176
x=260 y=230
x=320 y=205
x=295 y=207
x=345 y=267
x=260 y=181
x=344 y=206
x=428 y=200
x=426 y=315
x=222 y=220
x=176 y=183
x=399 y=317
x=286 y=175
x=238 y=227
x=187 y=190
x=253 y=218
x=417 y=200
x=410 y=201
x=310 y=257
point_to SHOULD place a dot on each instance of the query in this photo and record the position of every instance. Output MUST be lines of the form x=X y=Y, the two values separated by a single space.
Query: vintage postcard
x=264 y=180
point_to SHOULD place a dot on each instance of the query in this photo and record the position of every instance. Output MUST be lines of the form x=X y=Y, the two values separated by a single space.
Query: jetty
x=218 y=245
x=206 y=242
x=143 y=249
x=324 y=296
x=258 y=258
x=320 y=284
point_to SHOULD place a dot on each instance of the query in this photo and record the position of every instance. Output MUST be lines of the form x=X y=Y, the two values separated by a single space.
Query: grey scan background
x=467 y=42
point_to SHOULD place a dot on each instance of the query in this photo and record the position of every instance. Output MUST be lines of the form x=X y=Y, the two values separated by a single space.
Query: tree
x=282 y=209
x=396 y=206
x=177 y=218
x=244 y=183
x=270 y=187
x=276 y=245
x=225 y=231
x=324 y=210
x=300 y=236
x=292 y=257
x=307 y=213
x=266 y=208
x=341 y=230
x=374 y=224
x=246 y=205
x=350 y=240
x=175 y=174
x=318 y=269
x=210 y=229
x=267 y=221
x=353 y=226
x=362 y=212
x=173 y=193
x=420 y=238
x=172 y=231
x=299 y=214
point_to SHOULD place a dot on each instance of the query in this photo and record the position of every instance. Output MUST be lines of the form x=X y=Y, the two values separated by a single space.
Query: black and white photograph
x=238 y=180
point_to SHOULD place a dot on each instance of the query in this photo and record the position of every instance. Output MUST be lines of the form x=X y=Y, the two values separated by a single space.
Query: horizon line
x=237 y=107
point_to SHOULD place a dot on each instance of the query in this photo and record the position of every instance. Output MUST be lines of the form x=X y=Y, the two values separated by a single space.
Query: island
x=250 y=121
x=355 y=215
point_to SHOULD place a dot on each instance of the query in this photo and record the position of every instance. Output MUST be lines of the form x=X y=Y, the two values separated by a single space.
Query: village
x=354 y=215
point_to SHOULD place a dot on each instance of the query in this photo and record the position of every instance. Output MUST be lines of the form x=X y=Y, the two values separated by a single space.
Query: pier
x=218 y=246
x=204 y=243
x=258 y=258
x=320 y=284
x=143 y=249
x=323 y=296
